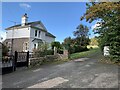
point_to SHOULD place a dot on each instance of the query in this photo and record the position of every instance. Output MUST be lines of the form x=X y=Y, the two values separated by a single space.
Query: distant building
x=27 y=35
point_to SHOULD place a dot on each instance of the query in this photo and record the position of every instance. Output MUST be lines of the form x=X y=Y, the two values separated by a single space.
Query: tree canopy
x=108 y=14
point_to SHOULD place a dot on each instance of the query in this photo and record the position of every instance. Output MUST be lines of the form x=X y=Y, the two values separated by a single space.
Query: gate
x=21 y=59
x=10 y=63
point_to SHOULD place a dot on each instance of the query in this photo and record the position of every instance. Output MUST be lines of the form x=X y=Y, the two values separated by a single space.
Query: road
x=80 y=73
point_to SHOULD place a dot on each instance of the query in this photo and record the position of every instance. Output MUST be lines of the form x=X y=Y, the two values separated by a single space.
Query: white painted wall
x=49 y=39
x=29 y=33
x=18 y=33
x=32 y=34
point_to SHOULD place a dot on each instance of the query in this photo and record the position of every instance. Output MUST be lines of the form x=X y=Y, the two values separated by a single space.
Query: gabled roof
x=27 y=24
x=50 y=35
x=32 y=24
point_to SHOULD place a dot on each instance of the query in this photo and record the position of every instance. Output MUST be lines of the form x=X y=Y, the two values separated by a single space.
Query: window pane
x=35 y=32
x=39 y=33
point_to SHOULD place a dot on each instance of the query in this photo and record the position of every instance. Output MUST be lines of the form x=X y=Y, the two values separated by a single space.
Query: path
x=88 y=73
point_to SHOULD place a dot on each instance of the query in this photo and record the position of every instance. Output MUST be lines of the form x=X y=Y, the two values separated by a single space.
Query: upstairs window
x=35 y=33
x=39 y=34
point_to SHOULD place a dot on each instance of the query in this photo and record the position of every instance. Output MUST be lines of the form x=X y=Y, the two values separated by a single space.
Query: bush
x=50 y=52
x=76 y=49
x=60 y=51
x=4 y=50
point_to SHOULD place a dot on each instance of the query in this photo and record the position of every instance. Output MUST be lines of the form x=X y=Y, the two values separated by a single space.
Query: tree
x=4 y=50
x=93 y=41
x=109 y=30
x=81 y=35
x=42 y=50
x=56 y=44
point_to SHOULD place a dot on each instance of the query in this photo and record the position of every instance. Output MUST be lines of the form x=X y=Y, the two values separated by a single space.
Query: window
x=39 y=34
x=34 y=46
x=35 y=33
x=25 y=46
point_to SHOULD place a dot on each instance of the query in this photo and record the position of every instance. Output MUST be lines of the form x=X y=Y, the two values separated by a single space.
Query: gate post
x=27 y=58
x=15 y=60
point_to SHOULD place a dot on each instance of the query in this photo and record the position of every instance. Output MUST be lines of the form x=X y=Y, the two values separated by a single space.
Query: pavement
x=79 y=73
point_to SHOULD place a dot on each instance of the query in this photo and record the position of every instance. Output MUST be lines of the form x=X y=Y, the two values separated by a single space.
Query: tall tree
x=81 y=35
x=109 y=30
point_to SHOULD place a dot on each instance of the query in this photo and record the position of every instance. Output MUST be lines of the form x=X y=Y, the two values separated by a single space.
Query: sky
x=60 y=18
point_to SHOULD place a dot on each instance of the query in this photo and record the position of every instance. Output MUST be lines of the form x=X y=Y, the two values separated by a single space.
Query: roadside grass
x=89 y=53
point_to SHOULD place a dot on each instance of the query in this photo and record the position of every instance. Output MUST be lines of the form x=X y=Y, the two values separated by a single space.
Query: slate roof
x=50 y=35
x=32 y=24
x=27 y=24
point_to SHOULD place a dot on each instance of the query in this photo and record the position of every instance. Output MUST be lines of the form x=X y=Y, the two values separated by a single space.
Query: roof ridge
x=20 y=24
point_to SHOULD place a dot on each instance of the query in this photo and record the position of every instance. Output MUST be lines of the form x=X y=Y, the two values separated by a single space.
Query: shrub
x=60 y=51
x=50 y=52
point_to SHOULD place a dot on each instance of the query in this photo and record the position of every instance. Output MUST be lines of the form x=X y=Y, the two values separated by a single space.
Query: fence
x=10 y=63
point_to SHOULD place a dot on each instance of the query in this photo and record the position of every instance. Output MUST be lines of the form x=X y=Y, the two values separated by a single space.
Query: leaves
x=109 y=30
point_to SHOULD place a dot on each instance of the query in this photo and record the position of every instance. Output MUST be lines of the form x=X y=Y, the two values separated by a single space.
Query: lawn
x=84 y=54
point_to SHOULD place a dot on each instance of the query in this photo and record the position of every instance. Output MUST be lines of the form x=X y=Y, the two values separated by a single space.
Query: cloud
x=25 y=6
x=2 y=35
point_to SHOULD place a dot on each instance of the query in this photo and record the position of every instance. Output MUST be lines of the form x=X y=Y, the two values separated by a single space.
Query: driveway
x=80 y=73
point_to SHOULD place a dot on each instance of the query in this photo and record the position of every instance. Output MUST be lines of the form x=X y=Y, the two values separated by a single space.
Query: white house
x=27 y=35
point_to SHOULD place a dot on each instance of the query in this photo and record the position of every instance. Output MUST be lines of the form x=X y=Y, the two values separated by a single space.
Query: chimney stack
x=24 y=19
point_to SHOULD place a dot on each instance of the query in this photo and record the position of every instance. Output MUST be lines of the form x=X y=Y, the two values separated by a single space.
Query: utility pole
x=12 y=39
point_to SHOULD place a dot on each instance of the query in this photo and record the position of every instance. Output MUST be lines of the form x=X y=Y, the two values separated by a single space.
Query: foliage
x=108 y=14
x=4 y=50
x=55 y=44
x=81 y=35
x=72 y=45
x=58 y=46
x=43 y=50
x=93 y=41
x=80 y=42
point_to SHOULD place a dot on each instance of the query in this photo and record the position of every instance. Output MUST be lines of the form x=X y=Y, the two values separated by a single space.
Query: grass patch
x=84 y=54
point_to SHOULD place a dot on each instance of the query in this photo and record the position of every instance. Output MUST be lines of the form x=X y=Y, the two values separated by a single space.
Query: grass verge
x=84 y=54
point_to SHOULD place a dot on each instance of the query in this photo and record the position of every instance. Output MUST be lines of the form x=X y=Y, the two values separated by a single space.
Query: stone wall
x=49 y=58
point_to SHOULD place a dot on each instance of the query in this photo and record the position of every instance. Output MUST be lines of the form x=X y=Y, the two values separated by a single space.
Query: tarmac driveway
x=80 y=73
